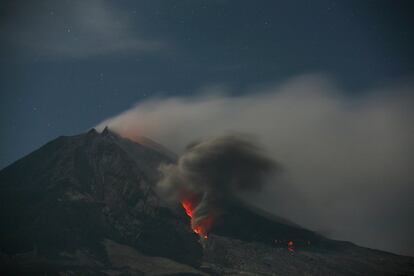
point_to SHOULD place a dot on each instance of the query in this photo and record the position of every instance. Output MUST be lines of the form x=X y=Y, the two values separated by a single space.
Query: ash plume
x=347 y=160
x=209 y=174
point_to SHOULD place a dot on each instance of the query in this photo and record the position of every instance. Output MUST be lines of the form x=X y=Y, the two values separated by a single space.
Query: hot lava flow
x=201 y=225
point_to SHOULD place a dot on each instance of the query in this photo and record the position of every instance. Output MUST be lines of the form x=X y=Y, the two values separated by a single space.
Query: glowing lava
x=201 y=227
x=188 y=208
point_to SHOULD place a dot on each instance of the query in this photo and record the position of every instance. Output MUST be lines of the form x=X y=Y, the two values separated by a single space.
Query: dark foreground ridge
x=87 y=204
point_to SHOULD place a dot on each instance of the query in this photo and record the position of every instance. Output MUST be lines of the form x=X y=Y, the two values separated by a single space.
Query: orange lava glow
x=201 y=228
x=188 y=208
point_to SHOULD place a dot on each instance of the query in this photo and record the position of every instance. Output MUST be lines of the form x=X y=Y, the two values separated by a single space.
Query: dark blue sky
x=67 y=65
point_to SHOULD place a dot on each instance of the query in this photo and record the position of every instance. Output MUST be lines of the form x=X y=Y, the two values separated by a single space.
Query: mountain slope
x=87 y=204
x=74 y=192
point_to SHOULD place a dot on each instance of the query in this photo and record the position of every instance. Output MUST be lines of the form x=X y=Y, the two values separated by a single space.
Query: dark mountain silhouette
x=87 y=204
x=74 y=192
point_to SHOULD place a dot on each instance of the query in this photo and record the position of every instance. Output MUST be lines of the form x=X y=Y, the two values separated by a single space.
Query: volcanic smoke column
x=209 y=175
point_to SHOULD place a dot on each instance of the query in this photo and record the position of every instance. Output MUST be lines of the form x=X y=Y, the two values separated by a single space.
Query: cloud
x=77 y=29
x=348 y=160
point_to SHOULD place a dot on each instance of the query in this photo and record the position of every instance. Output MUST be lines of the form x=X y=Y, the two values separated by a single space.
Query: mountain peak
x=140 y=140
x=92 y=131
x=106 y=131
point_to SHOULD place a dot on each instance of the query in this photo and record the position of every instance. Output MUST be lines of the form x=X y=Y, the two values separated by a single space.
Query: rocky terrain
x=87 y=205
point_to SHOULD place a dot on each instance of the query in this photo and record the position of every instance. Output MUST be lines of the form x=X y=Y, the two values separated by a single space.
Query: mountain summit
x=88 y=204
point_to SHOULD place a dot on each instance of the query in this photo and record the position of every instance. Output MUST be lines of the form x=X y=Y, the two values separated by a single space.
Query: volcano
x=88 y=204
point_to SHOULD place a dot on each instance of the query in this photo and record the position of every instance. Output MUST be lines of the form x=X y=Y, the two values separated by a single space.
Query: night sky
x=68 y=65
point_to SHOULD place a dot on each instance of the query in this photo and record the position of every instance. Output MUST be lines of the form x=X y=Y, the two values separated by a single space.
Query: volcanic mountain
x=88 y=204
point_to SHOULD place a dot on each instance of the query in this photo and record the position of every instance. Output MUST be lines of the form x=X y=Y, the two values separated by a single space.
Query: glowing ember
x=291 y=246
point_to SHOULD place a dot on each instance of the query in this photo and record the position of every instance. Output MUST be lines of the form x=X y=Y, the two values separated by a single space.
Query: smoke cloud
x=347 y=159
x=210 y=173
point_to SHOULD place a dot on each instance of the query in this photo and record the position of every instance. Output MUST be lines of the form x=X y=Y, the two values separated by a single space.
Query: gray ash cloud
x=211 y=173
